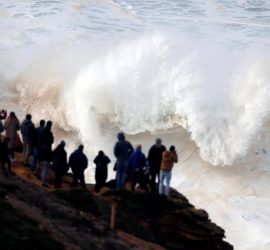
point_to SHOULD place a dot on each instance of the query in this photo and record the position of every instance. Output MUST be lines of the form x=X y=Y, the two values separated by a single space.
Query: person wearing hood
x=168 y=159
x=59 y=163
x=122 y=150
x=101 y=172
x=11 y=126
x=28 y=133
x=78 y=162
x=137 y=162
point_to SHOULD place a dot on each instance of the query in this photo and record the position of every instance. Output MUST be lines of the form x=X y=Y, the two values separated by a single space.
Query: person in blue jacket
x=137 y=163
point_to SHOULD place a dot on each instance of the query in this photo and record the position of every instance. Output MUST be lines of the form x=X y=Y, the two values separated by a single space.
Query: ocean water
x=195 y=73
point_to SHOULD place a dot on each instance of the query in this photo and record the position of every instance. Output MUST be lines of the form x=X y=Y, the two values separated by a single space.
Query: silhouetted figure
x=154 y=160
x=122 y=150
x=137 y=162
x=4 y=153
x=101 y=172
x=3 y=114
x=60 y=165
x=28 y=133
x=37 y=145
x=12 y=125
x=78 y=162
x=168 y=159
x=45 y=151
x=45 y=157
x=46 y=136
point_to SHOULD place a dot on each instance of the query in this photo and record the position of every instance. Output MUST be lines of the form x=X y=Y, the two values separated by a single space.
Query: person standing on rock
x=78 y=162
x=28 y=133
x=154 y=159
x=37 y=144
x=137 y=162
x=45 y=151
x=168 y=159
x=122 y=150
x=12 y=125
x=101 y=172
x=59 y=163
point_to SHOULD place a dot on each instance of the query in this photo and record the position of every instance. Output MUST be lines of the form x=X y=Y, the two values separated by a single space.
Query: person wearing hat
x=60 y=165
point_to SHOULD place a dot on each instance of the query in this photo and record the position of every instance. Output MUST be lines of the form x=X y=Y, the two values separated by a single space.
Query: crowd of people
x=37 y=151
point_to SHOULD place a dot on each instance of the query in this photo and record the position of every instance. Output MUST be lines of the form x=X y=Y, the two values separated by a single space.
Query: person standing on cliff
x=154 y=159
x=78 y=162
x=28 y=132
x=37 y=144
x=12 y=125
x=168 y=159
x=101 y=172
x=59 y=163
x=137 y=162
x=122 y=150
x=45 y=151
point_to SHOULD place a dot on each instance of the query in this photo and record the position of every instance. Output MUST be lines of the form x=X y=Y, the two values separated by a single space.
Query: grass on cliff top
x=20 y=232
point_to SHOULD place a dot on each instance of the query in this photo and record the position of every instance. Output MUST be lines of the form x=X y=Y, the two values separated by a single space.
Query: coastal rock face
x=33 y=218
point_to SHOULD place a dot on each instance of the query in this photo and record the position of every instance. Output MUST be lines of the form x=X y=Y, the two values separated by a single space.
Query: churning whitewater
x=195 y=73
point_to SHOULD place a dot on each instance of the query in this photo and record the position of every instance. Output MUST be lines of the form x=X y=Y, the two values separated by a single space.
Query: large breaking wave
x=158 y=81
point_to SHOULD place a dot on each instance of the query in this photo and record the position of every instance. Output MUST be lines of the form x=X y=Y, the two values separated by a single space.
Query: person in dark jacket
x=137 y=162
x=45 y=157
x=59 y=161
x=28 y=134
x=78 y=162
x=46 y=136
x=5 y=153
x=36 y=147
x=154 y=159
x=122 y=150
x=101 y=172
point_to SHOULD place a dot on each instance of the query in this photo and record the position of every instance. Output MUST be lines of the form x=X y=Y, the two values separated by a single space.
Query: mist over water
x=195 y=73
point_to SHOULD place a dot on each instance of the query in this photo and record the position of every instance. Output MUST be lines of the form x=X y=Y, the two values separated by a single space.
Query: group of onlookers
x=144 y=171
x=37 y=143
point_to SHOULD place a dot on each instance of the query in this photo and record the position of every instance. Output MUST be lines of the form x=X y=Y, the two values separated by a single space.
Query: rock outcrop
x=35 y=218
